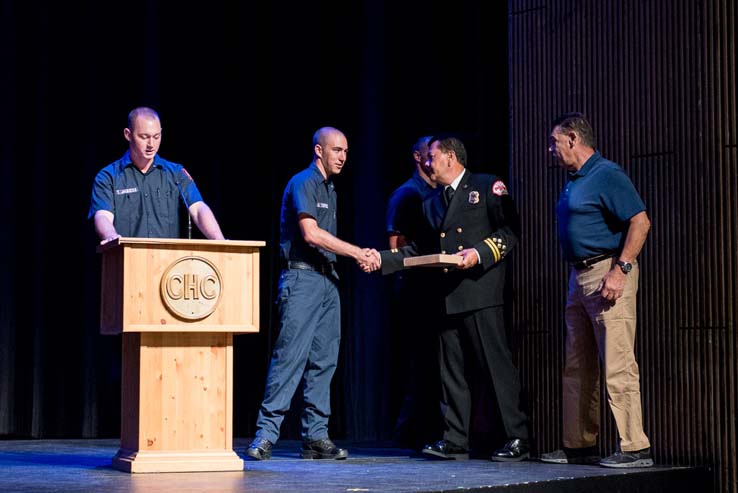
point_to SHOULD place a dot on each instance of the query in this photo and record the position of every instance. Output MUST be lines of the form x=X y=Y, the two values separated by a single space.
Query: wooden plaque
x=435 y=260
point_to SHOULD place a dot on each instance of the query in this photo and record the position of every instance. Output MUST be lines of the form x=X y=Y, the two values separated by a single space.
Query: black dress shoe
x=322 y=449
x=260 y=449
x=515 y=450
x=443 y=449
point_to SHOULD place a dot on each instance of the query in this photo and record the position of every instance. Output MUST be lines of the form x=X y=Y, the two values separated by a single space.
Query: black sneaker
x=260 y=449
x=583 y=456
x=322 y=449
x=638 y=458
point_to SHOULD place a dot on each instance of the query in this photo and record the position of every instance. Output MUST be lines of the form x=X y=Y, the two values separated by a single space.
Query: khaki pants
x=598 y=327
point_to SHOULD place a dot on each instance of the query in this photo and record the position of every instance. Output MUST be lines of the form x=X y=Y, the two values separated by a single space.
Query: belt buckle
x=588 y=262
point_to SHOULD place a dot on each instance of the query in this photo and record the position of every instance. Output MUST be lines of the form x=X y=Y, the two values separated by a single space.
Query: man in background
x=416 y=309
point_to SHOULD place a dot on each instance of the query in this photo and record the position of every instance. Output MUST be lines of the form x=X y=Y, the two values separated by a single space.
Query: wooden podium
x=177 y=304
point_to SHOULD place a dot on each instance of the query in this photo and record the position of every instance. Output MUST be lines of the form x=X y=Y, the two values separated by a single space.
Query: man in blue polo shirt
x=139 y=194
x=306 y=350
x=602 y=224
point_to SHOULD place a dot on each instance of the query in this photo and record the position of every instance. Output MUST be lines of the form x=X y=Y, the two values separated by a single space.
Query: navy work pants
x=306 y=354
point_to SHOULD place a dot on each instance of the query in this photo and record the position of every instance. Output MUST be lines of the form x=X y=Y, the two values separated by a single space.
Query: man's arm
x=503 y=216
x=636 y=237
x=316 y=236
x=614 y=281
x=205 y=220
x=397 y=240
x=104 y=226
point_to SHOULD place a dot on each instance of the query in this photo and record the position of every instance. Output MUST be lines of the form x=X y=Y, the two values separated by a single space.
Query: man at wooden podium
x=139 y=194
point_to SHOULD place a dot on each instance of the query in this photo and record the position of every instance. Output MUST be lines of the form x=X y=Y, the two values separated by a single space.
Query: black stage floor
x=84 y=466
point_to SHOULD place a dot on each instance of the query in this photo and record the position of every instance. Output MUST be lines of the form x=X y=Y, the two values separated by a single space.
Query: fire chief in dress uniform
x=473 y=216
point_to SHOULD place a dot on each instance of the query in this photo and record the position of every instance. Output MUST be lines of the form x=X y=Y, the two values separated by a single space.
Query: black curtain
x=240 y=89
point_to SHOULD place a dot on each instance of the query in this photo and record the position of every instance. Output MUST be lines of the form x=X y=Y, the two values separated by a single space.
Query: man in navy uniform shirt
x=602 y=225
x=416 y=310
x=306 y=351
x=139 y=195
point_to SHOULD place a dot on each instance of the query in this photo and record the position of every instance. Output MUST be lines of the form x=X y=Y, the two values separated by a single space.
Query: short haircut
x=320 y=134
x=141 y=111
x=449 y=142
x=576 y=122
x=423 y=141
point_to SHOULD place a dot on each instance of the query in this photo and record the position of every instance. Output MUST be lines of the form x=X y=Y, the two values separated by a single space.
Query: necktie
x=448 y=192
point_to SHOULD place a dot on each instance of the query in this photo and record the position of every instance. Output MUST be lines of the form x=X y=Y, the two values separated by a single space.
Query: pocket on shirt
x=127 y=213
x=167 y=203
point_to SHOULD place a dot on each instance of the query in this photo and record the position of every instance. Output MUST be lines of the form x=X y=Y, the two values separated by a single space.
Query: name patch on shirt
x=126 y=190
x=322 y=205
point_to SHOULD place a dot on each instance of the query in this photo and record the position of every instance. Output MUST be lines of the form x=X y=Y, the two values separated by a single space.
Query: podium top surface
x=177 y=242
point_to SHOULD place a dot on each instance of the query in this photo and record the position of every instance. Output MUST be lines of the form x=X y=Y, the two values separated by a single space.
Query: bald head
x=323 y=134
x=329 y=150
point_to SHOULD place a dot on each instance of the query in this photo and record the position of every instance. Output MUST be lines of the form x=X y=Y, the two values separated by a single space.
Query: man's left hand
x=613 y=284
x=470 y=258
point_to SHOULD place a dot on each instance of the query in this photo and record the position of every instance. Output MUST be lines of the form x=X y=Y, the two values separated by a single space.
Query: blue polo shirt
x=307 y=193
x=594 y=209
x=143 y=205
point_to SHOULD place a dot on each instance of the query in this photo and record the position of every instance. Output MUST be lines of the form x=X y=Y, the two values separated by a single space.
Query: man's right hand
x=109 y=239
x=370 y=260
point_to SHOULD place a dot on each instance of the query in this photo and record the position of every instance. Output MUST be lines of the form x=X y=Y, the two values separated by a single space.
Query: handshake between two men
x=370 y=259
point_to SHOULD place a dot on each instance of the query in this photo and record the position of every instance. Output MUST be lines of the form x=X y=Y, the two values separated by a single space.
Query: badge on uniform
x=499 y=188
x=473 y=197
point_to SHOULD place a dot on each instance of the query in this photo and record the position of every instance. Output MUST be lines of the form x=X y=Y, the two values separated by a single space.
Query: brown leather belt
x=588 y=262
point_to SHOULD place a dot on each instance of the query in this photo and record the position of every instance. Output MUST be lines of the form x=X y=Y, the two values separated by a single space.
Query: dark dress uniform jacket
x=480 y=215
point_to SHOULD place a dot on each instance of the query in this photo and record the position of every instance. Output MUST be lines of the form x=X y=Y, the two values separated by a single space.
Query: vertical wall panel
x=657 y=80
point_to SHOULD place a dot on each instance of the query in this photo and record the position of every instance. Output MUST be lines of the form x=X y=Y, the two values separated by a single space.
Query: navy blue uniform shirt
x=143 y=205
x=307 y=193
x=594 y=209
x=405 y=210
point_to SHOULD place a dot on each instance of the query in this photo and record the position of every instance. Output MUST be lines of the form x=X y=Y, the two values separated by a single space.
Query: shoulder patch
x=187 y=174
x=499 y=188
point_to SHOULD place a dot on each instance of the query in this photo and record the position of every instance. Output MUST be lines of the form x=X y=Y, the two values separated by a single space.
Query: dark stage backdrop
x=658 y=81
x=241 y=87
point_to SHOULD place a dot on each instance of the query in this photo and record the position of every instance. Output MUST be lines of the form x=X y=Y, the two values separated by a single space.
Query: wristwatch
x=625 y=266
